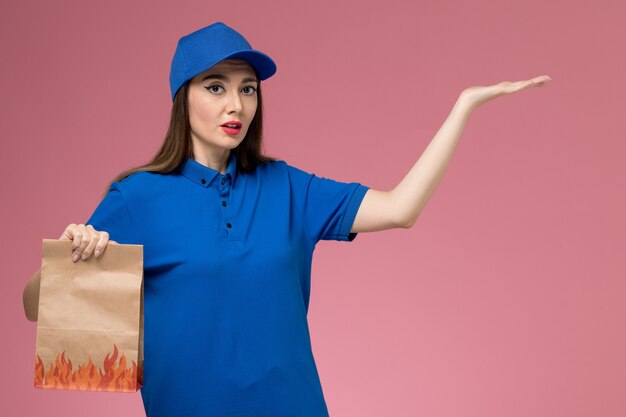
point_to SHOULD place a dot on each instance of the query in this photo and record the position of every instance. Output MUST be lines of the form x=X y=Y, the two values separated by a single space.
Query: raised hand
x=475 y=96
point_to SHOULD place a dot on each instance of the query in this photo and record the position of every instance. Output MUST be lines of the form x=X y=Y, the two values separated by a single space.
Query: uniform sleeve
x=112 y=216
x=328 y=207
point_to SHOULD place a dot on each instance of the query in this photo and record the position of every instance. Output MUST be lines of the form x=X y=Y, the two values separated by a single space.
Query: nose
x=234 y=102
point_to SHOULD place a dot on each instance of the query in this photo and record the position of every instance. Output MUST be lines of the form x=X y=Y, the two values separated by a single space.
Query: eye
x=211 y=88
x=250 y=88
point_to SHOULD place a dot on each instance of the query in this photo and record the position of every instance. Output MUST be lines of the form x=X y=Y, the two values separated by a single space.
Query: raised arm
x=400 y=207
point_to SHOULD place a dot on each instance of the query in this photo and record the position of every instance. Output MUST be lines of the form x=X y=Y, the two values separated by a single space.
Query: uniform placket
x=224 y=186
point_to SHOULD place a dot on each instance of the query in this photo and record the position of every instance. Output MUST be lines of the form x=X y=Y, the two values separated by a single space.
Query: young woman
x=229 y=234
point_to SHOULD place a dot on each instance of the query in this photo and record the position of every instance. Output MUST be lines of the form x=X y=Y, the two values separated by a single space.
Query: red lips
x=234 y=123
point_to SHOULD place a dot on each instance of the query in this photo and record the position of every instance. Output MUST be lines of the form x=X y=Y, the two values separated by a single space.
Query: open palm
x=475 y=96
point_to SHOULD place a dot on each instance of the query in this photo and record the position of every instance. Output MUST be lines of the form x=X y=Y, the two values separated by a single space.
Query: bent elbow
x=407 y=224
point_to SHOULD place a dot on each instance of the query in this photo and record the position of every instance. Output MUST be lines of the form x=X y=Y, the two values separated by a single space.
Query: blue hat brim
x=262 y=63
x=264 y=66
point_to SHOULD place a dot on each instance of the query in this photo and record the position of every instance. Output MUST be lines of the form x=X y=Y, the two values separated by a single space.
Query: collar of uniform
x=204 y=175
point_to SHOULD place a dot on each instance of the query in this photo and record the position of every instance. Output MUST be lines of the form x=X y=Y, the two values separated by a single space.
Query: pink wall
x=507 y=296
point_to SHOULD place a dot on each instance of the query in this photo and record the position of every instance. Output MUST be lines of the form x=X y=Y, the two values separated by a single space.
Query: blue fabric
x=204 y=48
x=225 y=308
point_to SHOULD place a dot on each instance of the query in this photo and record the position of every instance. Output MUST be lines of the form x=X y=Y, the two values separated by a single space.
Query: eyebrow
x=225 y=78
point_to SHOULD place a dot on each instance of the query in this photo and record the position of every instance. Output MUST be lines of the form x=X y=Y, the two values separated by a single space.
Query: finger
x=67 y=233
x=102 y=243
x=76 y=234
x=518 y=85
x=77 y=238
x=94 y=238
x=85 y=239
x=536 y=81
x=542 y=80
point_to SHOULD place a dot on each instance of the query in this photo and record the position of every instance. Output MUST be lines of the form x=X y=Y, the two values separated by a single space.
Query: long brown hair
x=177 y=146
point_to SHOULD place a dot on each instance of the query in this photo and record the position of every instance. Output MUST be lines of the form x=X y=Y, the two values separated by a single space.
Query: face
x=223 y=93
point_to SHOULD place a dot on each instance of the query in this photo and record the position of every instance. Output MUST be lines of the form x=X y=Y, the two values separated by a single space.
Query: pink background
x=507 y=296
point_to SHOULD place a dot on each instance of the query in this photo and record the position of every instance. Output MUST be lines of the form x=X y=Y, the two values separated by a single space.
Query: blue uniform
x=227 y=274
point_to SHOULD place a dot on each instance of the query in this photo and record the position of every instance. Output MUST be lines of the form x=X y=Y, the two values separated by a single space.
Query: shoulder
x=284 y=167
x=293 y=173
x=284 y=171
x=138 y=180
x=143 y=176
x=273 y=164
x=272 y=168
x=142 y=185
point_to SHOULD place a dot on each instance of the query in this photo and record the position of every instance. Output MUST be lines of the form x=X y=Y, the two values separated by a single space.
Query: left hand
x=475 y=96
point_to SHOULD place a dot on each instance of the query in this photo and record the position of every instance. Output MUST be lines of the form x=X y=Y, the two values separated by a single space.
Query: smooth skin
x=212 y=102
x=216 y=101
x=400 y=207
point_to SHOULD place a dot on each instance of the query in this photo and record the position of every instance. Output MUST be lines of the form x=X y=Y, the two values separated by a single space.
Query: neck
x=214 y=159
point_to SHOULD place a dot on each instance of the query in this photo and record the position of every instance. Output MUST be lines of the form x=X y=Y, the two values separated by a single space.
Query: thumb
x=67 y=235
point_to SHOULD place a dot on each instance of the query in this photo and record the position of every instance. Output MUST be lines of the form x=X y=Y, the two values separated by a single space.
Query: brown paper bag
x=90 y=320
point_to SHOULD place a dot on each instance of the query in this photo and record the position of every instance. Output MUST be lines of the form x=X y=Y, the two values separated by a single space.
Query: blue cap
x=200 y=50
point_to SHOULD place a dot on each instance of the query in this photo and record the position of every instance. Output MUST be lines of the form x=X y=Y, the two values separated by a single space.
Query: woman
x=229 y=234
